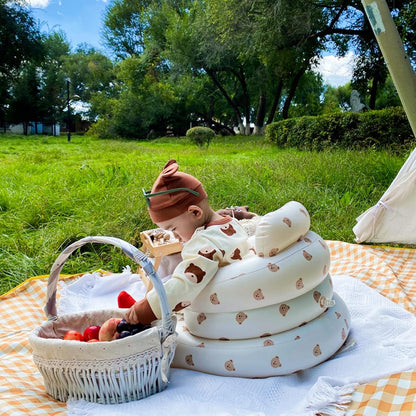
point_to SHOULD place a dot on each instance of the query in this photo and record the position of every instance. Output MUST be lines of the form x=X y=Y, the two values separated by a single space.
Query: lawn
x=53 y=192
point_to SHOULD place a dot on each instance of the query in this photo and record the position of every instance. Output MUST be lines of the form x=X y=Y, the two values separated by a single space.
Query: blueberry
x=124 y=334
x=123 y=325
x=138 y=326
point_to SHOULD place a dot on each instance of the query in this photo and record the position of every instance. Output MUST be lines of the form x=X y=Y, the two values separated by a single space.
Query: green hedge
x=387 y=128
x=200 y=135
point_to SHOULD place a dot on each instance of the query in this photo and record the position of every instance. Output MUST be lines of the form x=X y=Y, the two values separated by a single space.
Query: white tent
x=393 y=218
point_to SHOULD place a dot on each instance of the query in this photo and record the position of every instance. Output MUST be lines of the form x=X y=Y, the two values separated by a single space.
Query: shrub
x=200 y=135
x=382 y=129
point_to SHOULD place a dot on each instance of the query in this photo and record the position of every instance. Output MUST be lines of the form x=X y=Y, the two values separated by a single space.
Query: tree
x=124 y=27
x=53 y=79
x=337 y=99
x=24 y=102
x=90 y=73
x=307 y=99
x=20 y=42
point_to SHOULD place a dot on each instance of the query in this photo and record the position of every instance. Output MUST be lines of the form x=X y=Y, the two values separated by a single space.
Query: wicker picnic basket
x=104 y=372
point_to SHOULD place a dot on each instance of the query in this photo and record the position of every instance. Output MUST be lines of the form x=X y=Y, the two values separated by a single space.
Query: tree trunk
x=261 y=114
x=291 y=94
x=373 y=91
x=276 y=102
x=226 y=96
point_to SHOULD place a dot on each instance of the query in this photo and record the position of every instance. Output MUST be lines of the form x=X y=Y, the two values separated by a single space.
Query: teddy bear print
x=268 y=343
x=275 y=362
x=283 y=309
x=214 y=299
x=258 y=294
x=317 y=350
x=236 y=255
x=189 y=360
x=343 y=336
x=338 y=315
x=228 y=229
x=307 y=240
x=207 y=252
x=273 y=252
x=240 y=317
x=303 y=212
x=287 y=221
x=229 y=365
x=324 y=270
x=307 y=255
x=346 y=323
x=273 y=267
x=317 y=296
x=194 y=273
x=324 y=246
x=299 y=284
x=181 y=305
x=201 y=318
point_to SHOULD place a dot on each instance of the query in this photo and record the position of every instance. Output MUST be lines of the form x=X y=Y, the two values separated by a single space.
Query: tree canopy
x=176 y=63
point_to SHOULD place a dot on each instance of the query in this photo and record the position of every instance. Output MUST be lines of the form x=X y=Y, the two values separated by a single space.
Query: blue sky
x=82 y=22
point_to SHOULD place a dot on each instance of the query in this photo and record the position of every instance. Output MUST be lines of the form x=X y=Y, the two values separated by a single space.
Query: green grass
x=53 y=192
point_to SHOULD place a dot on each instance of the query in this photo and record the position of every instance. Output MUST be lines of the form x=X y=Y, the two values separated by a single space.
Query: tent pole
x=397 y=61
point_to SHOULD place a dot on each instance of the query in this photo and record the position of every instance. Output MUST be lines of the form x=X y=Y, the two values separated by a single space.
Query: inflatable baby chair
x=273 y=313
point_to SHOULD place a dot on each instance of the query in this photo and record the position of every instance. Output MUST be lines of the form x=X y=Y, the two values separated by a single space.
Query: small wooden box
x=158 y=243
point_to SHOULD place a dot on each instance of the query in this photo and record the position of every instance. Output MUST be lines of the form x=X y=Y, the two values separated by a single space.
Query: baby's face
x=183 y=226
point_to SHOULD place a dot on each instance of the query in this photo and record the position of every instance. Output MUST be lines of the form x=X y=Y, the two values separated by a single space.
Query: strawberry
x=125 y=300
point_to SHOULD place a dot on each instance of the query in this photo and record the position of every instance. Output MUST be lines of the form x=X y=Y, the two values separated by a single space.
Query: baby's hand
x=132 y=316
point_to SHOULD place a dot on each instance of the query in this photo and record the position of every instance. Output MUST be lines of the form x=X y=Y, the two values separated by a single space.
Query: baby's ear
x=195 y=210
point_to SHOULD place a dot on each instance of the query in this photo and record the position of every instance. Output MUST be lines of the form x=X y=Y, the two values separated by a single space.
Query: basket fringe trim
x=104 y=381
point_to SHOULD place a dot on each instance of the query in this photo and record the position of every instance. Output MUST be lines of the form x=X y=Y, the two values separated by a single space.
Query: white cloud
x=336 y=71
x=38 y=3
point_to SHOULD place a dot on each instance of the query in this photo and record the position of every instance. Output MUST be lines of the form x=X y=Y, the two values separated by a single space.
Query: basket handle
x=132 y=252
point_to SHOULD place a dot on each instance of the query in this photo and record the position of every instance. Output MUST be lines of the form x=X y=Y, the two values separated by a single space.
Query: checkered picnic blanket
x=390 y=271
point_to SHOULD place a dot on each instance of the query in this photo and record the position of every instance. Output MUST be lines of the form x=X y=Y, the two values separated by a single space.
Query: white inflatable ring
x=284 y=353
x=256 y=282
x=258 y=322
x=279 y=229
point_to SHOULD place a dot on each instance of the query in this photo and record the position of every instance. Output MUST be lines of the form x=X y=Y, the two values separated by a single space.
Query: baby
x=179 y=203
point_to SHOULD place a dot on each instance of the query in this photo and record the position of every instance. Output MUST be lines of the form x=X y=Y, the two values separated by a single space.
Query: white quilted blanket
x=382 y=342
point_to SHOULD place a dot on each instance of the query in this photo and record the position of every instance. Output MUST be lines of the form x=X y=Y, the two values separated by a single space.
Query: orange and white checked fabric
x=390 y=396
x=389 y=271
x=392 y=272
x=21 y=385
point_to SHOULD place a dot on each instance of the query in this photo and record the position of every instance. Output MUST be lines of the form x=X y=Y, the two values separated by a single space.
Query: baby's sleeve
x=191 y=275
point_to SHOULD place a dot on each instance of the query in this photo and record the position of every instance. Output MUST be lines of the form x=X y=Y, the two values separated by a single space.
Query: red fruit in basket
x=91 y=332
x=125 y=300
x=108 y=331
x=93 y=340
x=73 y=336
